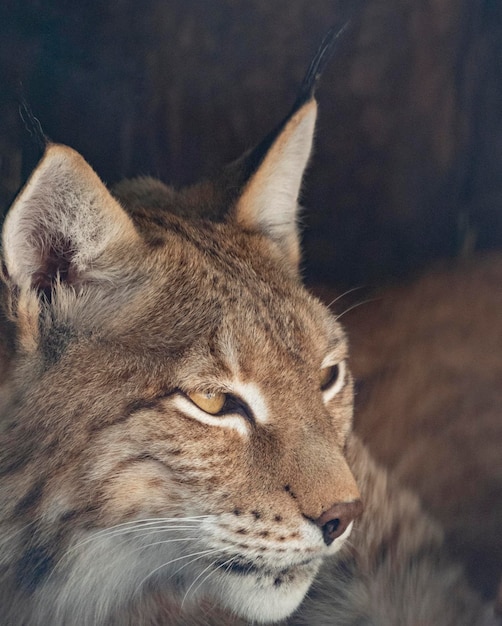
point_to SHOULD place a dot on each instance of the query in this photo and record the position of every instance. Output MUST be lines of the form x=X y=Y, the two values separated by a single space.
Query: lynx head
x=179 y=404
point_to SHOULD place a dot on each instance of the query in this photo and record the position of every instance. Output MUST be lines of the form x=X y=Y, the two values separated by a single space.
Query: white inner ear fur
x=63 y=203
x=269 y=202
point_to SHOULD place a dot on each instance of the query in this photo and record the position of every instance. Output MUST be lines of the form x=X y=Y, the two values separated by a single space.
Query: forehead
x=216 y=285
x=204 y=303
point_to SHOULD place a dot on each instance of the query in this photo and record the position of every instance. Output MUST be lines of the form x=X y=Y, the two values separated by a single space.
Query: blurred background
x=409 y=142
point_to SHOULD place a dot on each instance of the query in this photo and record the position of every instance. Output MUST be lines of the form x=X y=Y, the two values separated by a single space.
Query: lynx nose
x=334 y=521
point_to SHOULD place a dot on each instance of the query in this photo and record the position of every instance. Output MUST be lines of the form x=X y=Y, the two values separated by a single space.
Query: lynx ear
x=269 y=201
x=275 y=168
x=61 y=223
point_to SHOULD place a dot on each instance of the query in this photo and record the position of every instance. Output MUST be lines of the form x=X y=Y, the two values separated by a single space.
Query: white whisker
x=205 y=578
x=155 y=520
x=11 y=535
x=158 y=543
x=119 y=531
x=354 y=306
x=141 y=525
x=193 y=561
x=130 y=531
x=345 y=293
x=179 y=558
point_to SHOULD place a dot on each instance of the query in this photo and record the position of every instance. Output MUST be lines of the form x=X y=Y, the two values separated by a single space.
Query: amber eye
x=209 y=402
x=328 y=376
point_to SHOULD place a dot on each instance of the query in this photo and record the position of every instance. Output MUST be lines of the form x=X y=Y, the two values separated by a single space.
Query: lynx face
x=179 y=405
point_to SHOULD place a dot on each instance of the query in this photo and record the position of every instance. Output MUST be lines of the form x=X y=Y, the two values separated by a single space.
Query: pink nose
x=335 y=521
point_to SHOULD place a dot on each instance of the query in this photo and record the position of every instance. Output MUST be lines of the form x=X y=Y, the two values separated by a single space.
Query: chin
x=263 y=596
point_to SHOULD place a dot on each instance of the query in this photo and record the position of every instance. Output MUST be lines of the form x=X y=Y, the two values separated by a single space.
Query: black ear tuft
x=32 y=125
x=242 y=170
x=269 y=177
x=317 y=66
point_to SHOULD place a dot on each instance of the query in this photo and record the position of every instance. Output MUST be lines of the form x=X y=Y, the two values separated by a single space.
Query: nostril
x=330 y=530
x=333 y=529
x=335 y=521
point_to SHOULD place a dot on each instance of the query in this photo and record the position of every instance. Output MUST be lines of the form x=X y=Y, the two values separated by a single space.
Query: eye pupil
x=208 y=401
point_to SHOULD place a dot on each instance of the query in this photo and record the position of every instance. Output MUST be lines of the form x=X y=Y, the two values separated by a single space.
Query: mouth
x=240 y=566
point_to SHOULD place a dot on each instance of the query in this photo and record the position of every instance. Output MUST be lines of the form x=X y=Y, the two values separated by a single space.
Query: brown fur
x=114 y=483
x=118 y=318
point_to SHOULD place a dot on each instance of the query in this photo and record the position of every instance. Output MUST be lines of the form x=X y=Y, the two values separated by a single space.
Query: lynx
x=176 y=439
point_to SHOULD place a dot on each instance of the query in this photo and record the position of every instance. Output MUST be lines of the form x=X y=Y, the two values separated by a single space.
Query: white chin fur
x=259 y=600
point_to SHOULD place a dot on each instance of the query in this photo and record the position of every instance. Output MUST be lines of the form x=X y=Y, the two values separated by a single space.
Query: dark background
x=408 y=156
